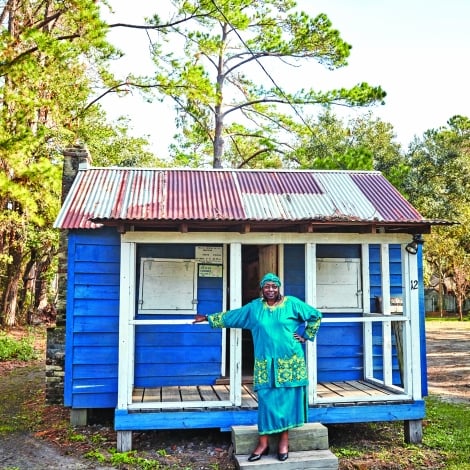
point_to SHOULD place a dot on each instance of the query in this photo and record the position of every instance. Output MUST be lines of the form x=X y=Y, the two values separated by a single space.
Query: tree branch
x=31 y=51
x=115 y=89
x=162 y=26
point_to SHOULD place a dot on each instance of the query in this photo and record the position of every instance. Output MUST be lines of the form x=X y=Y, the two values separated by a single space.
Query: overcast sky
x=416 y=50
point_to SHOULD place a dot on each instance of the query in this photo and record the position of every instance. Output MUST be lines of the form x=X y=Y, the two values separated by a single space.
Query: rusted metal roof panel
x=385 y=197
x=145 y=195
x=202 y=195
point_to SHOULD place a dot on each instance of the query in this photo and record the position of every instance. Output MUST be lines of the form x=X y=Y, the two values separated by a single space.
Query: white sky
x=416 y=50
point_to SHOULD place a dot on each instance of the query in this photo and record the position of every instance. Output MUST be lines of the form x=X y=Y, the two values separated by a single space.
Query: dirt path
x=448 y=357
x=20 y=415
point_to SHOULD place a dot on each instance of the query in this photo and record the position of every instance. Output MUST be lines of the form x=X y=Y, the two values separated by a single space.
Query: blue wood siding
x=179 y=354
x=396 y=289
x=188 y=354
x=294 y=270
x=92 y=324
x=340 y=345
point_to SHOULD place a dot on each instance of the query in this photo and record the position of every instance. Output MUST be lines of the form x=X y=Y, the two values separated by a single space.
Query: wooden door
x=267 y=257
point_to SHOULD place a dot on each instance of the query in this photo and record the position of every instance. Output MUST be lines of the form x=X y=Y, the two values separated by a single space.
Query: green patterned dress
x=280 y=373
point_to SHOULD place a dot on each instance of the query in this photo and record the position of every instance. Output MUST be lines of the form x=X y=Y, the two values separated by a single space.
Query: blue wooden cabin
x=148 y=248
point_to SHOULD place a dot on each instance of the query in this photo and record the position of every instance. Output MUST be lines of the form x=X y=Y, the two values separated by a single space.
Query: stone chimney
x=75 y=159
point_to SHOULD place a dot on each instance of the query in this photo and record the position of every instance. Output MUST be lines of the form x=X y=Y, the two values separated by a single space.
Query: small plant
x=97 y=439
x=347 y=453
x=21 y=349
x=131 y=458
x=77 y=437
x=96 y=455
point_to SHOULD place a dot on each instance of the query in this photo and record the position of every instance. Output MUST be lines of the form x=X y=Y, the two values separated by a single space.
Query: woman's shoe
x=254 y=457
x=282 y=456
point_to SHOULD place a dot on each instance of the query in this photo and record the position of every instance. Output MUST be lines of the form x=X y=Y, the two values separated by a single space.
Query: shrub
x=18 y=349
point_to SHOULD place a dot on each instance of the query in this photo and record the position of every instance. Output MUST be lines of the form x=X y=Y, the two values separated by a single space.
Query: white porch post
x=311 y=299
x=235 y=333
x=414 y=347
x=386 y=326
x=126 y=328
x=413 y=429
x=126 y=339
x=367 y=326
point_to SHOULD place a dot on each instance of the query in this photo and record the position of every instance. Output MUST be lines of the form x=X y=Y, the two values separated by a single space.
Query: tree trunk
x=41 y=287
x=218 y=111
x=218 y=142
x=10 y=296
x=460 y=307
x=25 y=297
x=441 y=299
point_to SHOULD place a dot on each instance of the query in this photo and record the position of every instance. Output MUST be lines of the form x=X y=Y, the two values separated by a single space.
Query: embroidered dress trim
x=291 y=370
x=260 y=372
x=217 y=320
x=271 y=307
x=312 y=328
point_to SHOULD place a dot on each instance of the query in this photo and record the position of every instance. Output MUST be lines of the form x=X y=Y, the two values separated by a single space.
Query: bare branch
x=162 y=26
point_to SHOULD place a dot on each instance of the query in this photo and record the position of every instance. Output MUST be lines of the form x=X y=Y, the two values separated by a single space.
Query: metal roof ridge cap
x=229 y=170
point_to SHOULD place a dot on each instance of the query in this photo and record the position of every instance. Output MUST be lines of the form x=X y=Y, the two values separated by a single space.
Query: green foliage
x=53 y=58
x=43 y=61
x=110 y=144
x=363 y=143
x=13 y=349
x=438 y=186
x=223 y=110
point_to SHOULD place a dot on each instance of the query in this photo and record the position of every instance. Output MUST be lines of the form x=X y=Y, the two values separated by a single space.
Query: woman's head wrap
x=270 y=277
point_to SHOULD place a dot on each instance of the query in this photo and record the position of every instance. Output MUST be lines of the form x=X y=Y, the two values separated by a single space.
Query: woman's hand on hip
x=299 y=338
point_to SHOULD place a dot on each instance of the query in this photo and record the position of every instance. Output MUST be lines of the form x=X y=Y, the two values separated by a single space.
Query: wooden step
x=300 y=460
x=310 y=436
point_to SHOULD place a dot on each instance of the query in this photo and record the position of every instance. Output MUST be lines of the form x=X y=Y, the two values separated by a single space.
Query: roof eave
x=245 y=226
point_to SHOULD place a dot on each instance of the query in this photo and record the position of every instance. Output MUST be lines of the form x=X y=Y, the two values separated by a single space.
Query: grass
x=454 y=318
x=448 y=430
x=446 y=441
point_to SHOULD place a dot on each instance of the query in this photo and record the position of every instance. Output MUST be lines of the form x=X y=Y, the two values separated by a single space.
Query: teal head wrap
x=270 y=277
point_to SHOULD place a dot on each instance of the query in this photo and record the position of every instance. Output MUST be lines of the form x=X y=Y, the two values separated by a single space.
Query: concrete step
x=300 y=460
x=310 y=436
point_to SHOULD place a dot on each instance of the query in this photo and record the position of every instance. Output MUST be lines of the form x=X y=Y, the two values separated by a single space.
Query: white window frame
x=325 y=270
x=180 y=297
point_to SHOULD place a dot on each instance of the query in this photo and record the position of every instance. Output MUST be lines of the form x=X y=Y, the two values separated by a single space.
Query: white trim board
x=264 y=238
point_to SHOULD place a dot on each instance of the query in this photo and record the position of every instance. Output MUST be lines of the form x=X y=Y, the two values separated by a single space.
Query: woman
x=280 y=373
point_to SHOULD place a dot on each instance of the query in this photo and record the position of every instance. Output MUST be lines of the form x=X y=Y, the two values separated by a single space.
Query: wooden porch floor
x=354 y=389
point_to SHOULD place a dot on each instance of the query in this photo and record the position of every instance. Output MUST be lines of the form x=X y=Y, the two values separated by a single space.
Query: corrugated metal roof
x=108 y=195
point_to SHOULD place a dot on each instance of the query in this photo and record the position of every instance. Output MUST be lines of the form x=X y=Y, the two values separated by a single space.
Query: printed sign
x=209 y=270
x=209 y=254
